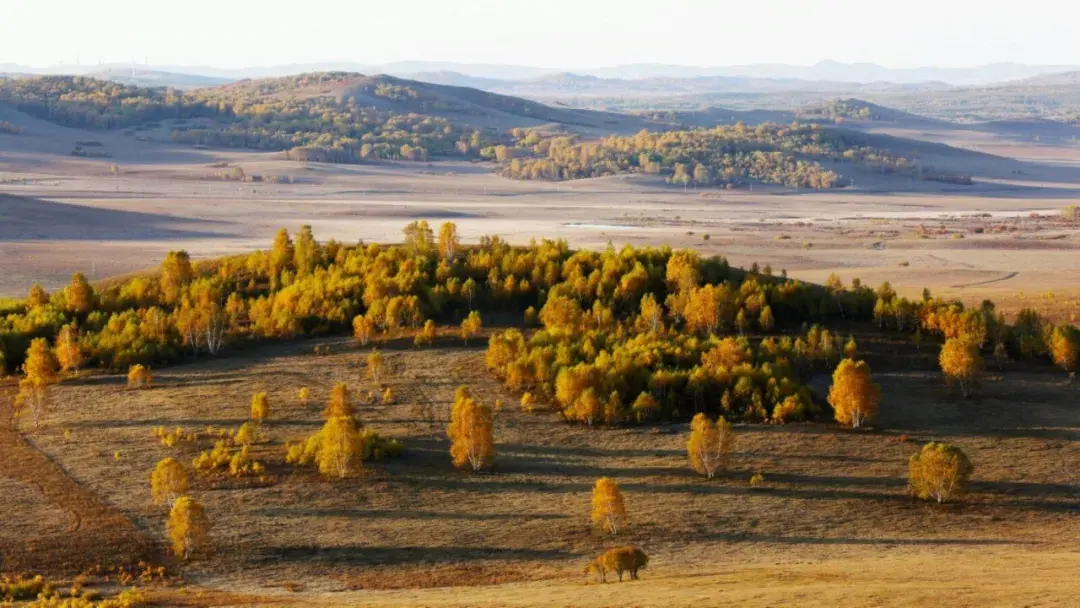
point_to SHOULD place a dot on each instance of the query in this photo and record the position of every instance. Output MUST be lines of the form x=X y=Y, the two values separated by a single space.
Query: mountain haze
x=822 y=71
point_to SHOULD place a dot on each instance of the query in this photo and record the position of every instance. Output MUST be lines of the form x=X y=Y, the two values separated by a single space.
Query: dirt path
x=96 y=534
x=997 y=280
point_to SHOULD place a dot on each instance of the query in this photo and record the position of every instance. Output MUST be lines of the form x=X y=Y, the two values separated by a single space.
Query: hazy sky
x=545 y=33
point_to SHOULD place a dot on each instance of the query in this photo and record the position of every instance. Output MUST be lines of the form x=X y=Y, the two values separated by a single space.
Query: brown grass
x=830 y=496
x=51 y=523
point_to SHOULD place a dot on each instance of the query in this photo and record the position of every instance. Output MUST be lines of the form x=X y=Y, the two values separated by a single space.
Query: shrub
x=939 y=472
x=260 y=407
x=20 y=588
x=139 y=376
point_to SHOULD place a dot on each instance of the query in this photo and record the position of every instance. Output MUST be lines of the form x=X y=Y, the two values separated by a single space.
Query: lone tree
x=363 y=328
x=139 y=376
x=470 y=326
x=168 y=481
x=1063 y=349
x=854 y=395
x=472 y=442
x=39 y=371
x=375 y=365
x=260 y=407
x=939 y=472
x=608 y=506
x=710 y=444
x=188 y=528
x=960 y=361
x=304 y=394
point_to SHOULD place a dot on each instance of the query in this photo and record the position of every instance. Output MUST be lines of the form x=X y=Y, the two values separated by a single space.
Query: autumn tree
x=851 y=348
x=375 y=365
x=363 y=328
x=651 y=313
x=448 y=241
x=282 y=253
x=853 y=394
x=528 y=402
x=766 y=320
x=1001 y=355
x=339 y=450
x=608 y=506
x=960 y=361
x=471 y=435
x=426 y=335
x=79 y=295
x=37 y=296
x=1063 y=349
x=260 y=407
x=176 y=273
x=39 y=371
x=702 y=311
x=645 y=407
x=710 y=444
x=305 y=252
x=939 y=472
x=418 y=236
x=469 y=290
x=340 y=403
x=304 y=395
x=168 y=481
x=188 y=528
x=470 y=326
x=68 y=352
x=139 y=376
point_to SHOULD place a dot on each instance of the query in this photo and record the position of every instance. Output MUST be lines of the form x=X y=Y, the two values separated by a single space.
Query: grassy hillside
x=327 y=116
x=586 y=365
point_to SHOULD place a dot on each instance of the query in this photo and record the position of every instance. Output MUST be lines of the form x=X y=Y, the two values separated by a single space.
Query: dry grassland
x=834 y=504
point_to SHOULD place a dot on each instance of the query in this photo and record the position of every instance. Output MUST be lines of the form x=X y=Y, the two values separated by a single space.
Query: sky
x=563 y=34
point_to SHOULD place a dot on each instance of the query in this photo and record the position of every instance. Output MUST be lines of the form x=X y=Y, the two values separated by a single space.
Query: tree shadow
x=197 y=423
x=749 y=537
x=362 y=555
x=29 y=219
x=402 y=514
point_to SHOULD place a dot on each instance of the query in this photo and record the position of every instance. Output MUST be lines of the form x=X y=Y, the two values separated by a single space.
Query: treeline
x=629 y=334
x=855 y=109
x=259 y=115
x=726 y=156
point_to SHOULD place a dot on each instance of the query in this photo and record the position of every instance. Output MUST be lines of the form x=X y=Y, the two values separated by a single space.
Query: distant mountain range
x=824 y=71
